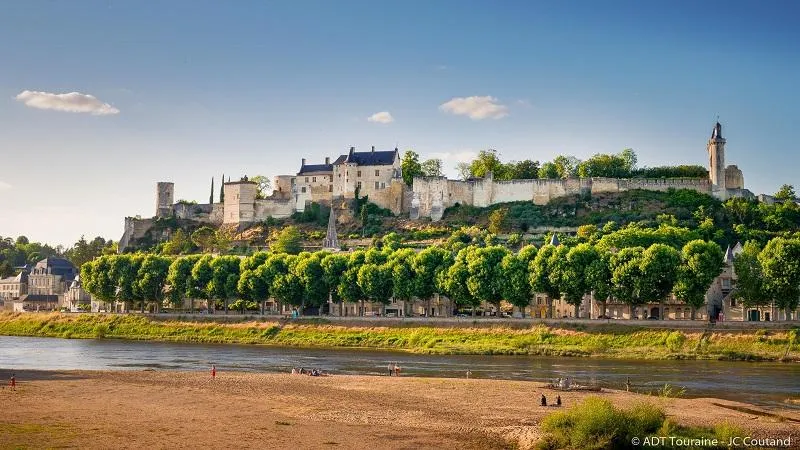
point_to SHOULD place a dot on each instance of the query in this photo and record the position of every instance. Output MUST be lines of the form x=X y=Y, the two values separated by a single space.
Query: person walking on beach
x=391 y=369
x=558 y=401
x=469 y=373
x=396 y=370
x=213 y=372
x=544 y=400
x=13 y=382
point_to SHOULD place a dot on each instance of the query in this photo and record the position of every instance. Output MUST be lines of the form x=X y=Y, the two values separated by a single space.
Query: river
x=765 y=384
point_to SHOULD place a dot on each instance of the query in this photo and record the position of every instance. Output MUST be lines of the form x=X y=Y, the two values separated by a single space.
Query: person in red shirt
x=213 y=371
x=13 y=382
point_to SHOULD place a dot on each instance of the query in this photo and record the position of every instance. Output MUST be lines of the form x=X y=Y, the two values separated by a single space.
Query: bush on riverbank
x=596 y=424
x=536 y=340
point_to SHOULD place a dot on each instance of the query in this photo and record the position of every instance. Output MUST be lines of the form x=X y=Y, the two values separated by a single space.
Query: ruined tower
x=165 y=197
x=239 y=201
x=716 y=162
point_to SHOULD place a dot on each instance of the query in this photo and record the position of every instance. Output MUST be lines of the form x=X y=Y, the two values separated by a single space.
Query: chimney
x=327 y=160
x=352 y=149
x=302 y=162
x=373 y=149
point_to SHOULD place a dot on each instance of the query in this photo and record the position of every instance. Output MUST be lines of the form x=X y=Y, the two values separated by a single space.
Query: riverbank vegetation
x=614 y=342
x=596 y=424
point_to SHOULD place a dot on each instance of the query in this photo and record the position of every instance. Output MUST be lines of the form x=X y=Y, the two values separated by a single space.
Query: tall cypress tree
x=211 y=198
x=222 y=190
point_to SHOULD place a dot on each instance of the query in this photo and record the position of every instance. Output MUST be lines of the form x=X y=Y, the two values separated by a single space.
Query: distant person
x=558 y=401
x=396 y=370
x=391 y=369
x=213 y=372
x=544 y=400
x=13 y=382
x=469 y=373
x=628 y=384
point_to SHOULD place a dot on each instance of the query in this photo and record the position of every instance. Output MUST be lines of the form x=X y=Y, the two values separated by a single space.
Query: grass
x=615 y=342
x=596 y=424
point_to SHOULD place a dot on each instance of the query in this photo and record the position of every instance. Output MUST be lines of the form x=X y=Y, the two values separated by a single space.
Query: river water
x=765 y=384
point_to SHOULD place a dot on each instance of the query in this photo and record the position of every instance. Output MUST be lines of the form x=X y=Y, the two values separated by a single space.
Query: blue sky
x=193 y=89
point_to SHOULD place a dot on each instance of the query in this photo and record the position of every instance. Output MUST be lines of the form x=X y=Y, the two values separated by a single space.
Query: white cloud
x=475 y=107
x=71 y=102
x=456 y=156
x=523 y=102
x=4 y=186
x=381 y=117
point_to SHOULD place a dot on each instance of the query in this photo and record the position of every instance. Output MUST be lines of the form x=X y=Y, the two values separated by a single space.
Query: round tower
x=165 y=197
x=716 y=161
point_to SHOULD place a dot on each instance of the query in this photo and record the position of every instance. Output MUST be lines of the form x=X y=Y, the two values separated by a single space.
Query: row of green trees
x=19 y=251
x=469 y=274
x=618 y=165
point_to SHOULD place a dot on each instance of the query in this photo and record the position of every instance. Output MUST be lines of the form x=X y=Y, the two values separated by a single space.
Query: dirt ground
x=165 y=409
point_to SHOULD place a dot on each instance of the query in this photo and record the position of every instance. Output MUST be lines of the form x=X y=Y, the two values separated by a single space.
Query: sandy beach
x=167 y=409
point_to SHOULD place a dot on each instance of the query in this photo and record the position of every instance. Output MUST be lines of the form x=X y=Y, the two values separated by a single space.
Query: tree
x=786 y=193
x=179 y=278
x=211 y=197
x=780 y=263
x=96 y=278
x=701 y=264
x=569 y=271
x=454 y=280
x=464 y=171
x=250 y=286
x=83 y=251
x=404 y=279
x=179 y=243
x=410 y=167
x=204 y=238
x=222 y=189
x=749 y=277
x=152 y=278
x=549 y=170
x=516 y=287
x=348 y=288
x=287 y=287
x=566 y=165
x=487 y=161
x=333 y=267
x=287 y=240
x=598 y=276
x=263 y=186
x=375 y=280
x=522 y=170
x=225 y=279
x=540 y=275
x=431 y=168
x=485 y=281
x=659 y=272
x=274 y=265
x=428 y=265
x=202 y=274
x=309 y=271
x=626 y=277
x=497 y=220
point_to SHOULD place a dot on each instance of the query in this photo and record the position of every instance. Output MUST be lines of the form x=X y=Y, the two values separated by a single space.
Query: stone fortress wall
x=431 y=196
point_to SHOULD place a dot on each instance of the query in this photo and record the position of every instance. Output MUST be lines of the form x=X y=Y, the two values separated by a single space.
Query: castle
x=378 y=175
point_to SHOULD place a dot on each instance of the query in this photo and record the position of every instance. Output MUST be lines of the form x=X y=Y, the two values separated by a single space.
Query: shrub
x=597 y=424
x=675 y=341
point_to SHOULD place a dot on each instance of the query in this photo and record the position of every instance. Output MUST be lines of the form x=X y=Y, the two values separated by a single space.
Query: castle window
x=306 y=179
x=359 y=185
x=377 y=185
x=303 y=189
x=313 y=179
x=359 y=173
x=332 y=177
x=383 y=185
x=377 y=173
x=330 y=188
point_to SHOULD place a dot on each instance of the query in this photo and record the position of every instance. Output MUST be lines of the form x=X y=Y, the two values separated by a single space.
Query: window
x=332 y=177
x=313 y=179
x=377 y=173
x=377 y=185
x=330 y=188
x=359 y=185
x=359 y=173
x=733 y=302
x=383 y=185
x=303 y=189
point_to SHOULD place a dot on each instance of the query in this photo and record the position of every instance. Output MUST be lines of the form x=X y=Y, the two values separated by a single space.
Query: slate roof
x=376 y=158
x=58 y=266
x=308 y=168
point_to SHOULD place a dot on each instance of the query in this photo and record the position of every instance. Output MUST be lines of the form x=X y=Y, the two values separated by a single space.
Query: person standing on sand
x=558 y=401
x=13 y=382
x=396 y=370
x=213 y=372
x=544 y=400
x=391 y=369
x=469 y=373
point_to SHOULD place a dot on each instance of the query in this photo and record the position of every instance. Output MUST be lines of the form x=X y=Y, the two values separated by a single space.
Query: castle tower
x=716 y=161
x=165 y=197
x=239 y=201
